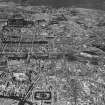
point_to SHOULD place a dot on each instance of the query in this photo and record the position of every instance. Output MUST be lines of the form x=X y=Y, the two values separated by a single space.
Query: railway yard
x=52 y=56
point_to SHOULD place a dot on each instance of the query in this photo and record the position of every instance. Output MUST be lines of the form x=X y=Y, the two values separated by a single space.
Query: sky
x=93 y=4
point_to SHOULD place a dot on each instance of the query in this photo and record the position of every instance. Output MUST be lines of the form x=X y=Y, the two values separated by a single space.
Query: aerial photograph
x=52 y=52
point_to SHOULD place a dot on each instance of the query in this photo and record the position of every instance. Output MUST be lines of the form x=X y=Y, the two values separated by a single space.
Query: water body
x=93 y=4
